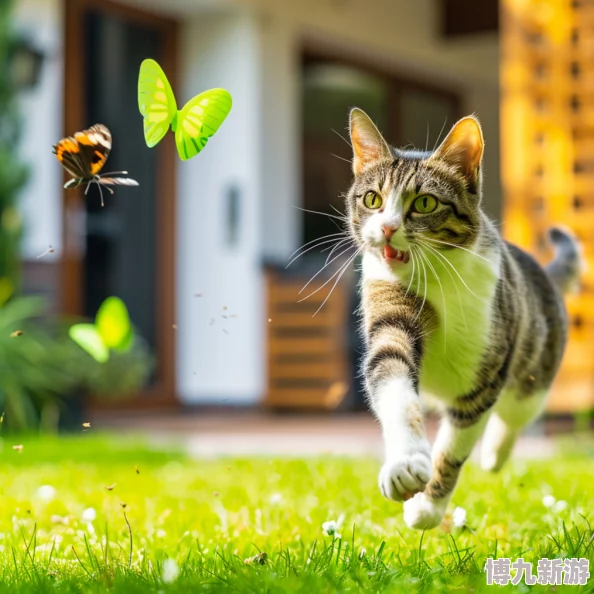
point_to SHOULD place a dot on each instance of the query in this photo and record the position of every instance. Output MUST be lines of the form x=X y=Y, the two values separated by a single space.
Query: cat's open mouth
x=393 y=255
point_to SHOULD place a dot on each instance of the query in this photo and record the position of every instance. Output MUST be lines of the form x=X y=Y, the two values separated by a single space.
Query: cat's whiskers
x=332 y=217
x=438 y=253
x=339 y=272
x=412 y=251
x=339 y=244
x=324 y=214
x=424 y=256
x=343 y=138
x=341 y=214
x=432 y=249
x=341 y=158
x=439 y=135
x=425 y=287
x=323 y=268
x=459 y=247
x=316 y=240
x=313 y=247
x=344 y=269
x=412 y=276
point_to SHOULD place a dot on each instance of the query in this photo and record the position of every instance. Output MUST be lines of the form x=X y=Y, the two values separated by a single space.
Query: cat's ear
x=368 y=144
x=463 y=149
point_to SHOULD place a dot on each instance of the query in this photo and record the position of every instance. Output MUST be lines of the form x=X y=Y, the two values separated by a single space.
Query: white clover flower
x=46 y=492
x=169 y=571
x=275 y=498
x=548 y=501
x=56 y=519
x=459 y=517
x=89 y=515
x=560 y=506
x=161 y=533
x=331 y=527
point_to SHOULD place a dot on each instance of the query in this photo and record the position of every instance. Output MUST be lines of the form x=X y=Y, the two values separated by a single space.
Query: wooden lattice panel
x=547 y=150
x=307 y=353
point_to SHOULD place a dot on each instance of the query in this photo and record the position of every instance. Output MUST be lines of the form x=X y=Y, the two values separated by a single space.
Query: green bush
x=13 y=173
x=33 y=374
x=42 y=369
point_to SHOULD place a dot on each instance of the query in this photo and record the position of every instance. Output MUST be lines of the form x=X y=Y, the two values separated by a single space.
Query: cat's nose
x=389 y=230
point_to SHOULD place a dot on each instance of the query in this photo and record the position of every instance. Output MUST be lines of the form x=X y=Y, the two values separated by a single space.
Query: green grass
x=210 y=515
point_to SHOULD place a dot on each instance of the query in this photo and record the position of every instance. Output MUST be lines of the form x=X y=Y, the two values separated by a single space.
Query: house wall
x=41 y=110
x=251 y=47
x=221 y=358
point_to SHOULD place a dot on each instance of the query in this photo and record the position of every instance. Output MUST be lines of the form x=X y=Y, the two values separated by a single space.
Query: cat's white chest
x=453 y=352
x=462 y=299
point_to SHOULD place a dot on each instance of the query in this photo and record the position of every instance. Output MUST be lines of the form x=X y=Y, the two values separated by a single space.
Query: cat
x=450 y=311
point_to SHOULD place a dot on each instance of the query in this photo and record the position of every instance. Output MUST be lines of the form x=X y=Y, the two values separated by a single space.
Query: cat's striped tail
x=567 y=265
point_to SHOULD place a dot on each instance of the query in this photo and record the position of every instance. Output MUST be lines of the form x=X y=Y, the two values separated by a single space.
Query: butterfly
x=83 y=156
x=112 y=330
x=193 y=125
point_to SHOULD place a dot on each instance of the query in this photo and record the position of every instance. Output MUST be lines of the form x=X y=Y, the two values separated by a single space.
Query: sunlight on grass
x=82 y=514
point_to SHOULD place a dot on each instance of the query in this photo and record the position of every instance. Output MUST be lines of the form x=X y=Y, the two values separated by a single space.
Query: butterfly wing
x=84 y=154
x=156 y=101
x=88 y=338
x=95 y=146
x=67 y=151
x=118 y=181
x=113 y=324
x=200 y=119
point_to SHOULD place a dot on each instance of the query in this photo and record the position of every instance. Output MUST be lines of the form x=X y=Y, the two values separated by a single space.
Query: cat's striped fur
x=450 y=310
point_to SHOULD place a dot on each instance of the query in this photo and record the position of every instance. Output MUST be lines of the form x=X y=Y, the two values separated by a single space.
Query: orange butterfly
x=83 y=156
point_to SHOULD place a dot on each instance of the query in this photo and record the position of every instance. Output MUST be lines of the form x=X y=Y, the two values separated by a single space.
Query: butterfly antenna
x=114 y=173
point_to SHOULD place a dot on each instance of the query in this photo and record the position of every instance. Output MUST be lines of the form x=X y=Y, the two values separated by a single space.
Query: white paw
x=401 y=478
x=422 y=513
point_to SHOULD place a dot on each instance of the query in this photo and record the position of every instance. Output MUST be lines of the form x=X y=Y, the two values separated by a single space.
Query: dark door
x=124 y=248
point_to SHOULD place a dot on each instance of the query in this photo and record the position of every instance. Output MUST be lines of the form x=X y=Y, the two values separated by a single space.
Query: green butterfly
x=112 y=330
x=193 y=125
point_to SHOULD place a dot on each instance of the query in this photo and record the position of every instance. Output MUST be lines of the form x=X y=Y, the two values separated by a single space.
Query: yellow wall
x=546 y=144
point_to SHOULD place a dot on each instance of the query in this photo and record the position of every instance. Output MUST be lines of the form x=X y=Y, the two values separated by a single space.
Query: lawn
x=97 y=513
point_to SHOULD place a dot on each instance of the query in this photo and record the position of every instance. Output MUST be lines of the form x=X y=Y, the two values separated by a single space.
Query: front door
x=126 y=247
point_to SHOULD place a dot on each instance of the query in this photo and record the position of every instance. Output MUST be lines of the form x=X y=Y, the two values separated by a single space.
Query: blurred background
x=199 y=251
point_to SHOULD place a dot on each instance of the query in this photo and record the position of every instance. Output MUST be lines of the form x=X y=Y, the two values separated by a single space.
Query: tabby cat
x=450 y=311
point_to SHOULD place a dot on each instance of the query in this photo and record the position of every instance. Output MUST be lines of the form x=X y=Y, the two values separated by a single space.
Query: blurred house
x=198 y=251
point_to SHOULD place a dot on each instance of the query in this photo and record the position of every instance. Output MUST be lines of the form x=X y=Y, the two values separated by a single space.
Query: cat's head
x=399 y=198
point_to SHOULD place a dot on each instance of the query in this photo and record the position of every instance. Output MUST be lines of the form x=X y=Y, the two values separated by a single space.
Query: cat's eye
x=425 y=204
x=372 y=200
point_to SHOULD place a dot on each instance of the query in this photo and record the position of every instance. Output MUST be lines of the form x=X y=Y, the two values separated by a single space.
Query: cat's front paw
x=402 y=477
x=422 y=513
